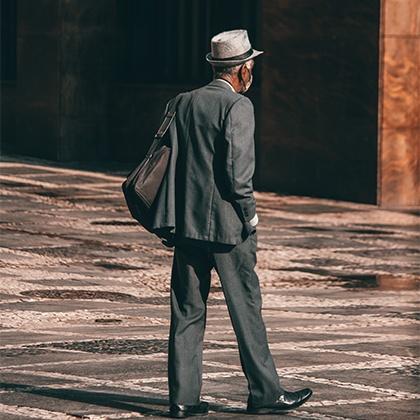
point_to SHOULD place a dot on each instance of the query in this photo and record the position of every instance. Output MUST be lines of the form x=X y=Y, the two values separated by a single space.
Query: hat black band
x=236 y=57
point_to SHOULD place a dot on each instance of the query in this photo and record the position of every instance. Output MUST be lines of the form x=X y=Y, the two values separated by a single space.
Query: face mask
x=248 y=85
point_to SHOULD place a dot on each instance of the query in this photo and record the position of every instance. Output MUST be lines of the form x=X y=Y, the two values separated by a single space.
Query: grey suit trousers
x=190 y=284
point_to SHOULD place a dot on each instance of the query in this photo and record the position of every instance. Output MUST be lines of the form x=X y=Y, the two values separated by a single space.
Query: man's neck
x=227 y=82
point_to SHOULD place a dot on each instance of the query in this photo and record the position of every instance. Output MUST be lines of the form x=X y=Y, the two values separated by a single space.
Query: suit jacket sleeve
x=240 y=159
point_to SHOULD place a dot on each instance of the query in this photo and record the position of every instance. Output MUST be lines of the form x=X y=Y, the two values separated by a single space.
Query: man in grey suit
x=216 y=223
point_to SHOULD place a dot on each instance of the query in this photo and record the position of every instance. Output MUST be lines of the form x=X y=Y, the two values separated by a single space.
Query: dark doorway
x=319 y=100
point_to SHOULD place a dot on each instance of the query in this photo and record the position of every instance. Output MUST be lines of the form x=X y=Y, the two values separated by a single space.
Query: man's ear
x=242 y=72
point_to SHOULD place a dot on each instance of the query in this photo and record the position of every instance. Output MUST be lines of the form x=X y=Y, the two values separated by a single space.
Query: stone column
x=65 y=62
x=399 y=104
x=85 y=68
x=38 y=82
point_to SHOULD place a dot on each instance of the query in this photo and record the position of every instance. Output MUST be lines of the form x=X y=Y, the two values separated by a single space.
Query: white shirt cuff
x=254 y=220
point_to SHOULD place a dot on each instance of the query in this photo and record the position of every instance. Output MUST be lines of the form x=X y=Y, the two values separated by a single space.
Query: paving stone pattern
x=85 y=311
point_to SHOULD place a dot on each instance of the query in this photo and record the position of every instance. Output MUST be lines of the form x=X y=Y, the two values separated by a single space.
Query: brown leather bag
x=143 y=182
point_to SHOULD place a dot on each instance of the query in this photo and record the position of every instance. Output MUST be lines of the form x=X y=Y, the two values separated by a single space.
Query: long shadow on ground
x=106 y=399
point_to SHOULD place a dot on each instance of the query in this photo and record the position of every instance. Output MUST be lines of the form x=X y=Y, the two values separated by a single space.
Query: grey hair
x=219 y=71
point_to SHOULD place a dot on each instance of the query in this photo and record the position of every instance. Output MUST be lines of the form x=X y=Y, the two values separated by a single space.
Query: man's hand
x=254 y=220
x=166 y=236
x=169 y=243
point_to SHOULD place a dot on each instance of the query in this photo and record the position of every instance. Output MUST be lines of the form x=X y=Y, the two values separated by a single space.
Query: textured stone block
x=401 y=17
x=401 y=82
x=400 y=170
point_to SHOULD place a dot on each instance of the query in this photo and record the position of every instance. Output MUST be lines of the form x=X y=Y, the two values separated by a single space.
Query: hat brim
x=227 y=63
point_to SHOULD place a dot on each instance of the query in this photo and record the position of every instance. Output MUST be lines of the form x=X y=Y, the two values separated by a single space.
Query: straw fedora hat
x=231 y=48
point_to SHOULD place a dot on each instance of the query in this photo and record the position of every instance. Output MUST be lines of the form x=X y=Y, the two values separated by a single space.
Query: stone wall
x=317 y=108
x=399 y=174
x=319 y=98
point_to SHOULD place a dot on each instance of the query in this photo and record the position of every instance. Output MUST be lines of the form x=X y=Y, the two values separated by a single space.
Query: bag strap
x=166 y=123
x=167 y=120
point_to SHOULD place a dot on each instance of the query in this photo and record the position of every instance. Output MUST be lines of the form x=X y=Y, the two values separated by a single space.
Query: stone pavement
x=84 y=305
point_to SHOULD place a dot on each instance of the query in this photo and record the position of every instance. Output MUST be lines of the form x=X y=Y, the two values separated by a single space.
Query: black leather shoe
x=179 y=411
x=286 y=402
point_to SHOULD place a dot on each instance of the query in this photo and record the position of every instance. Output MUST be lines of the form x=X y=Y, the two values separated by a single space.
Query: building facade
x=337 y=92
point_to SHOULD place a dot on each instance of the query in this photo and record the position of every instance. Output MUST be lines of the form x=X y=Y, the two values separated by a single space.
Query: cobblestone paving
x=84 y=305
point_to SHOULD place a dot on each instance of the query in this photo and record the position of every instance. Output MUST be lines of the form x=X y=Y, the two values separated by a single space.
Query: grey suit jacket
x=208 y=191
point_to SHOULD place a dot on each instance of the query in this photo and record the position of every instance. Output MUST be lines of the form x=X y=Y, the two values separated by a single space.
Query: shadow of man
x=107 y=399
